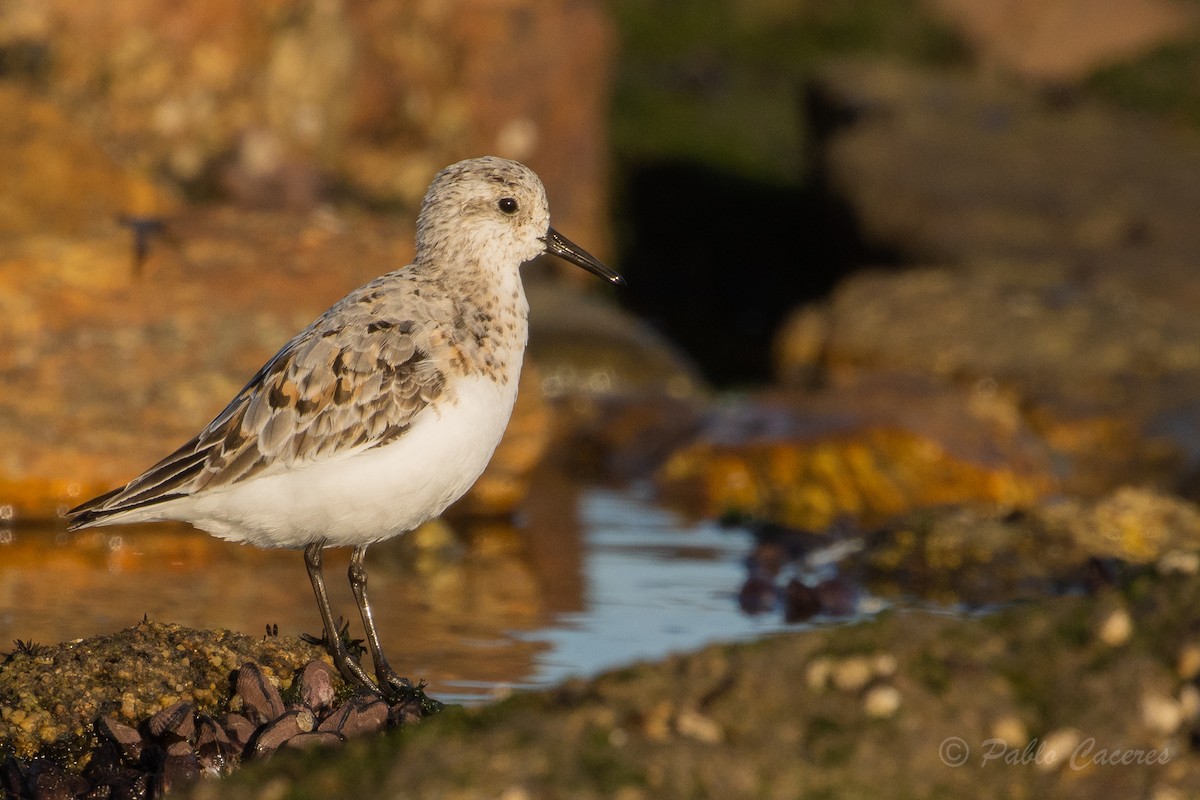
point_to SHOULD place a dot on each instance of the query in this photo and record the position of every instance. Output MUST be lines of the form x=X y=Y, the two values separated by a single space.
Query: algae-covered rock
x=864 y=452
x=52 y=696
x=973 y=556
x=1031 y=701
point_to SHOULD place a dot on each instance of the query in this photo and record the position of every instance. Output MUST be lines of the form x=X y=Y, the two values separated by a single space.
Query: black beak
x=564 y=248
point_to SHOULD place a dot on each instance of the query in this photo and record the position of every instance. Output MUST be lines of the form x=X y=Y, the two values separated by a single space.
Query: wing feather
x=348 y=382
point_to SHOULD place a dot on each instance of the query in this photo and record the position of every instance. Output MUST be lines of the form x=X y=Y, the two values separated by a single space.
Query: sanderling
x=383 y=411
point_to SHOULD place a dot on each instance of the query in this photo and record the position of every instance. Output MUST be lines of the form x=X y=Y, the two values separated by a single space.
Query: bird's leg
x=351 y=670
x=386 y=676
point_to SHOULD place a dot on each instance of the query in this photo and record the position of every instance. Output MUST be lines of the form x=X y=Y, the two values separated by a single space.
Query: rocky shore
x=1069 y=696
x=1082 y=696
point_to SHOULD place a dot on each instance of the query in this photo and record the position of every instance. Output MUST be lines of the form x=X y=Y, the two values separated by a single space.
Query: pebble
x=1056 y=748
x=837 y=597
x=884 y=665
x=694 y=725
x=768 y=558
x=54 y=783
x=1188 y=665
x=882 y=701
x=849 y=674
x=404 y=714
x=1189 y=702
x=1179 y=562
x=816 y=674
x=125 y=786
x=852 y=674
x=1009 y=729
x=1160 y=713
x=1116 y=629
x=757 y=595
x=657 y=723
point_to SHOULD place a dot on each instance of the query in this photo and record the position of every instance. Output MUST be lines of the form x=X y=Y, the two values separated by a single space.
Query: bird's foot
x=389 y=680
x=396 y=690
x=353 y=647
x=346 y=653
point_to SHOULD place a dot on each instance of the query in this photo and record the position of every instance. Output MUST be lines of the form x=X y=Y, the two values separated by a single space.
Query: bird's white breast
x=373 y=494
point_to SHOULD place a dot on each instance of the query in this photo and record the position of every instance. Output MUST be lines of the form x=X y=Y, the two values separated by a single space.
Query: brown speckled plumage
x=354 y=379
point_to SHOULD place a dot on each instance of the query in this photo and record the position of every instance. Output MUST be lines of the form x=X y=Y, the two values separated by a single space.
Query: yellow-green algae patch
x=51 y=696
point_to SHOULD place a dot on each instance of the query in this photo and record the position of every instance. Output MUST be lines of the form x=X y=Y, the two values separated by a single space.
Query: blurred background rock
x=911 y=282
x=954 y=238
x=187 y=186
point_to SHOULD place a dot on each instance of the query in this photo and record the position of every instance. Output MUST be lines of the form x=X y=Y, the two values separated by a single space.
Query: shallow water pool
x=588 y=579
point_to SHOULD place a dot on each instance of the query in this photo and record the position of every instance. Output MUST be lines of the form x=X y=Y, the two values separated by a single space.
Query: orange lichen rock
x=868 y=474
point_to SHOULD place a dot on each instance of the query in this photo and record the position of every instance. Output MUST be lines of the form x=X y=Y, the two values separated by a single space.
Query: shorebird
x=383 y=411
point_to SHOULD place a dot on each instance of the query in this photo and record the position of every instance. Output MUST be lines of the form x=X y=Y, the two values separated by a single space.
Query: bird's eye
x=507 y=205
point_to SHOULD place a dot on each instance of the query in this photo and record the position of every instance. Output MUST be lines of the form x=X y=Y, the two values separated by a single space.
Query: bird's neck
x=490 y=313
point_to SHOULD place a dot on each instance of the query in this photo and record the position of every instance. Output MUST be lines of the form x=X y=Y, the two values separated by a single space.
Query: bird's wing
x=353 y=380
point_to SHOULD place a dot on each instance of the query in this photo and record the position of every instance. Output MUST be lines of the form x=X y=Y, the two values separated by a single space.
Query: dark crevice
x=716 y=260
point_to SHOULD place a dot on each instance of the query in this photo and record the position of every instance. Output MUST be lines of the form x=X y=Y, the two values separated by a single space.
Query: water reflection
x=444 y=607
x=588 y=579
x=653 y=585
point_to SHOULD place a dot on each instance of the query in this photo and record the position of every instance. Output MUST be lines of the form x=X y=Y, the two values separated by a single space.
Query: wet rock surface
x=274 y=106
x=168 y=221
x=1061 y=41
x=1043 y=339
x=1038 y=699
x=868 y=452
x=971 y=556
x=954 y=166
x=75 y=721
x=1077 y=646
x=1104 y=375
